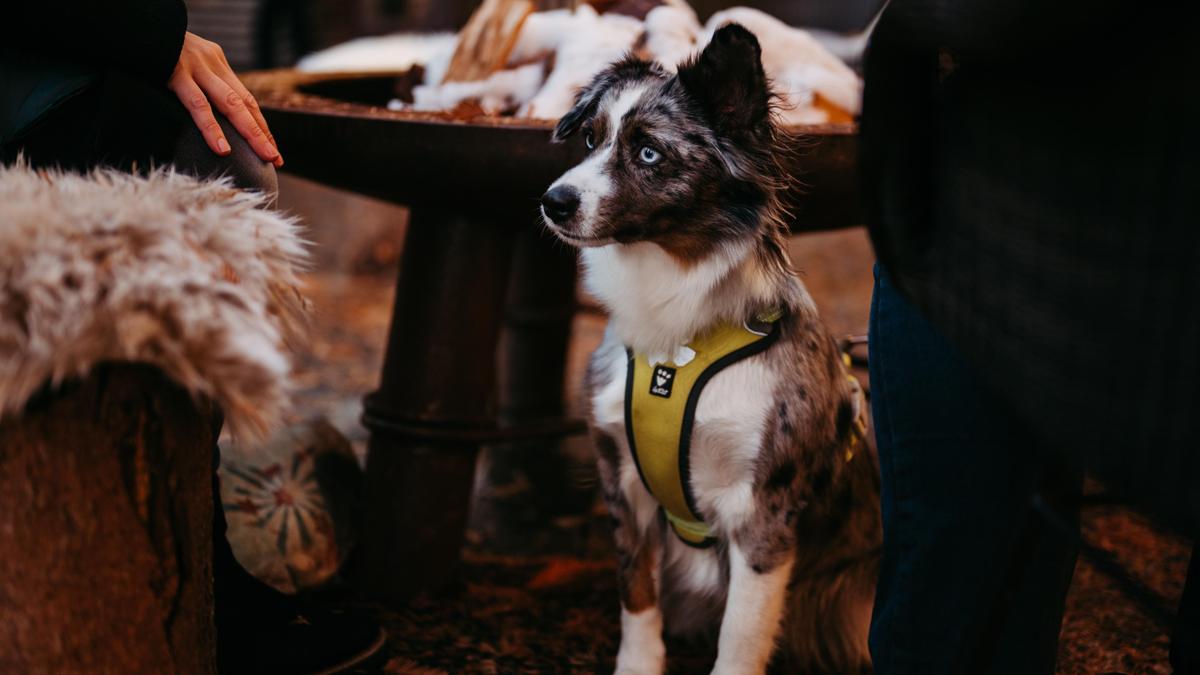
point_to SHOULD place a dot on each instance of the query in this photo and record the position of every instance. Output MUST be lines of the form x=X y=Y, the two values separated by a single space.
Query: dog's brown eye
x=649 y=155
x=590 y=140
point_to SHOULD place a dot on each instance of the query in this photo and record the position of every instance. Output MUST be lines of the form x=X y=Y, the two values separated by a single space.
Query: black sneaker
x=261 y=631
x=313 y=641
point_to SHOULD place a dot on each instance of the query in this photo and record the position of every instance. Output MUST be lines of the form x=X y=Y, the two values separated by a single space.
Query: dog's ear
x=586 y=102
x=728 y=82
x=588 y=99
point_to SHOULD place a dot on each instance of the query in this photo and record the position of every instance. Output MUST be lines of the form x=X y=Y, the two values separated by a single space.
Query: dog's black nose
x=560 y=203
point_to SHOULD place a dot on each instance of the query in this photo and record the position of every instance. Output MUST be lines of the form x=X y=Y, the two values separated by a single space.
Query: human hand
x=203 y=75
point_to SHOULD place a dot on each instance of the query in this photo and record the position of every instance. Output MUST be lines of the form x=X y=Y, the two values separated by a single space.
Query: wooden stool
x=106 y=529
x=126 y=305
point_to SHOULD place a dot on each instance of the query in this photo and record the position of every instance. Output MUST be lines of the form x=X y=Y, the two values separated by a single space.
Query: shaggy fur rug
x=193 y=277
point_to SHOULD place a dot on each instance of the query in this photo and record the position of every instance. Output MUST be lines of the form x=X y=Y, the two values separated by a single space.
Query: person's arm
x=149 y=40
x=140 y=37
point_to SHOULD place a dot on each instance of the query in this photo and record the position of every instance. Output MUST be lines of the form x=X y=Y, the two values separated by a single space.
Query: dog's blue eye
x=649 y=155
x=589 y=140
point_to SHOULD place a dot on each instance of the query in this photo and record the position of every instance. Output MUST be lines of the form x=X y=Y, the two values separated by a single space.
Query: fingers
x=203 y=79
x=256 y=112
x=196 y=102
x=232 y=104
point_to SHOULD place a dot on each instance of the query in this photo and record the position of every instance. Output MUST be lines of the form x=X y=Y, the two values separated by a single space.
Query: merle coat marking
x=676 y=210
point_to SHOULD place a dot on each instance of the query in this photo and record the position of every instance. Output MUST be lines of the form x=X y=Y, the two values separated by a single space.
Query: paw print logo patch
x=663 y=380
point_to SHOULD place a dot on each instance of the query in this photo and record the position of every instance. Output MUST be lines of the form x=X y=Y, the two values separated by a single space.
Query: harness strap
x=859 y=429
x=660 y=410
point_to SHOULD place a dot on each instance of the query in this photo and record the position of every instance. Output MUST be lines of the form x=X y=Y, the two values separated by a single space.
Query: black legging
x=123 y=123
x=1185 y=639
x=193 y=156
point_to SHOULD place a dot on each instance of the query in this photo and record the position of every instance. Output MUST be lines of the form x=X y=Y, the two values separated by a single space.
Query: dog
x=761 y=527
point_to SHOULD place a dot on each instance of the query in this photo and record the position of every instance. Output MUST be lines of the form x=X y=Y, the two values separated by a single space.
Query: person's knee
x=251 y=173
x=242 y=165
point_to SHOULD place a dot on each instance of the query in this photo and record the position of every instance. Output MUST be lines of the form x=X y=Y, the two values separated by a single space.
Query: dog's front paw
x=637 y=670
x=642 y=650
x=647 y=656
x=640 y=664
x=726 y=669
x=729 y=667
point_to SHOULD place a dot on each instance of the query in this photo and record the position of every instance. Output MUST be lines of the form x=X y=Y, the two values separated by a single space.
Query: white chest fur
x=663 y=304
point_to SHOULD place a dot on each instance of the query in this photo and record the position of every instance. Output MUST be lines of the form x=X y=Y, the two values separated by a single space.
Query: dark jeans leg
x=1185 y=639
x=971 y=580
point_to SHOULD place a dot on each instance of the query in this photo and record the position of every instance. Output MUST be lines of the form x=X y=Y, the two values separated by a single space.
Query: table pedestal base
x=435 y=402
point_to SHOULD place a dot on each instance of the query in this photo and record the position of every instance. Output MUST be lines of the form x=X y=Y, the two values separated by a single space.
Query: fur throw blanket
x=193 y=277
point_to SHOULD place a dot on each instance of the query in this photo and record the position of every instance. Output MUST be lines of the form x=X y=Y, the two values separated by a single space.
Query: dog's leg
x=642 y=651
x=762 y=552
x=753 y=612
x=639 y=555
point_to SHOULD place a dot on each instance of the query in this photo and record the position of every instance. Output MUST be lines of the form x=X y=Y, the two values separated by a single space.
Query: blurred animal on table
x=512 y=60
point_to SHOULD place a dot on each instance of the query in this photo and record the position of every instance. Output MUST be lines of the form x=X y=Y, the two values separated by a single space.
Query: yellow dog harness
x=660 y=409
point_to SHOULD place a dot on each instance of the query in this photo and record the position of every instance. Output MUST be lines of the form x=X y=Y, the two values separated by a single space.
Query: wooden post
x=106 y=529
x=537 y=334
x=435 y=404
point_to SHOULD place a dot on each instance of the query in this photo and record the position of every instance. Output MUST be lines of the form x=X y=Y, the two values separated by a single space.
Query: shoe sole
x=358 y=658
